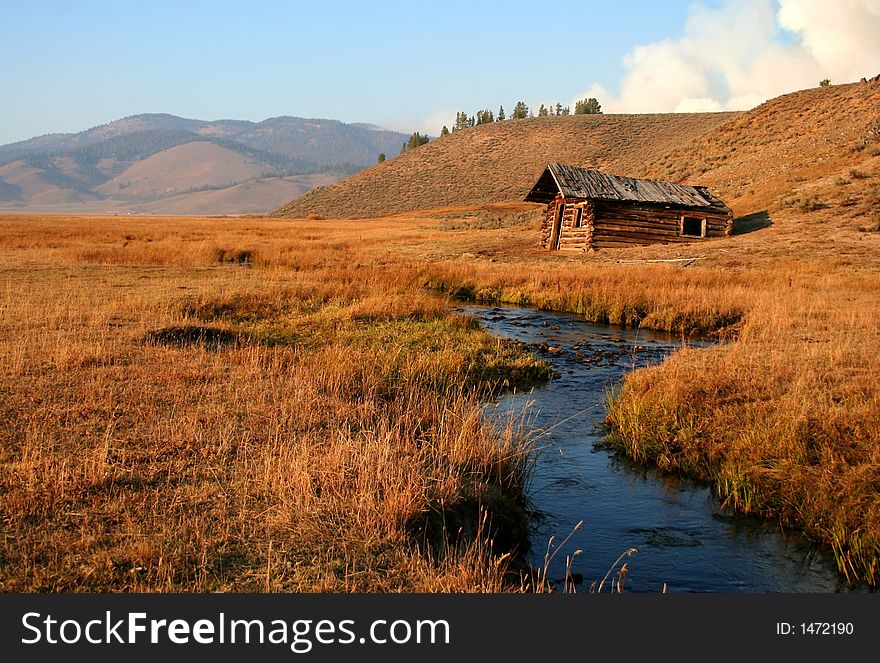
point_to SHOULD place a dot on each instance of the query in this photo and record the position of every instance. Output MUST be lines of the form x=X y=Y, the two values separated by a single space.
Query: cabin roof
x=574 y=182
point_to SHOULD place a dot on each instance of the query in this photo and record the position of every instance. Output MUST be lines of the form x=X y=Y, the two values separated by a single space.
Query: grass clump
x=235 y=256
x=785 y=429
x=803 y=203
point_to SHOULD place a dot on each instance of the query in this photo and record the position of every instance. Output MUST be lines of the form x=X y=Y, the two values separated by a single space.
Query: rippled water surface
x=683 y=536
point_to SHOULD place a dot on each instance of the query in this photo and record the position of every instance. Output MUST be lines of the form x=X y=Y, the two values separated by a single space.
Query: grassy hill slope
x=501 y=161
x=192 y=165
x=785 y=146
x=774 y=155
x=252 y=197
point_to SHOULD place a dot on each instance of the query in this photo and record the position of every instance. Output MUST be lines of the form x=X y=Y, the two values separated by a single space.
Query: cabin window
x=692 y=226
x=577 y=217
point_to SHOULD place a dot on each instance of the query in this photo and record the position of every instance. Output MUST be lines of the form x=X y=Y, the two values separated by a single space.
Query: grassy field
x=258 y=404
x=197 y=404
x=217 y=404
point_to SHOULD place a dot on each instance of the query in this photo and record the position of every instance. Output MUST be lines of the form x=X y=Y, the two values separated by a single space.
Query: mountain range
x=160 y=163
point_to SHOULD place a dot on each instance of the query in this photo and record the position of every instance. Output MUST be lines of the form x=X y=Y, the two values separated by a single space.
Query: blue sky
x=70 y=65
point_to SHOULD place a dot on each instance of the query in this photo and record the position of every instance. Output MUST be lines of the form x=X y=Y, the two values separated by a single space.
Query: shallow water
x=683 y=536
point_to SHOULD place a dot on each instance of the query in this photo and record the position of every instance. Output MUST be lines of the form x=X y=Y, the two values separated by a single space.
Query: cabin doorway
x=556 y=234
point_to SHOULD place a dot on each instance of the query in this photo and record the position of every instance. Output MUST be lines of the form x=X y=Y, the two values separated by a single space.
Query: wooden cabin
x=589 y=209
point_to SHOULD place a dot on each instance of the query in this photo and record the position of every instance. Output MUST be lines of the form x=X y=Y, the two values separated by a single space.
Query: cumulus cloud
x=740 y=54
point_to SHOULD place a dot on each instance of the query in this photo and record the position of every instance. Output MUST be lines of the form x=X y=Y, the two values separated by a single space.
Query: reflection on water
x=683 y=536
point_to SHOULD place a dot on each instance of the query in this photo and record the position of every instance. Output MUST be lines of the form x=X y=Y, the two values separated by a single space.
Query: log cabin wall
x=626 y=224
x=571 y=231
x=603 y=210
x=592 y=224
x=547 y=224
x=577 y=227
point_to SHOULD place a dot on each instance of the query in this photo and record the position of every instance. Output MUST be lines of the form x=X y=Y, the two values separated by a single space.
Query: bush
x=803 y=203
x=238 y=257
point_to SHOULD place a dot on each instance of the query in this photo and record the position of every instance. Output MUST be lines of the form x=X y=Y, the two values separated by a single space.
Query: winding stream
x=683 y=536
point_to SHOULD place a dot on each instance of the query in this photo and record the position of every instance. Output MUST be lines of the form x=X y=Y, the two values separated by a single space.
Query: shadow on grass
x=751 y=222
x=210 y=338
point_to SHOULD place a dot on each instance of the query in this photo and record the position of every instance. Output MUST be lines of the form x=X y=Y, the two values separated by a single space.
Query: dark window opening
x=693 y=227
x=577 y=217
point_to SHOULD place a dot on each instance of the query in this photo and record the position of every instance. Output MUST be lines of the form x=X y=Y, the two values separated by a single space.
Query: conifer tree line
x=414 y=141
x=589 y=106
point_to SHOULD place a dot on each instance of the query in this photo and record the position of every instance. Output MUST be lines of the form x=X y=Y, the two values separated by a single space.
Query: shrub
x=239 y=257
x=803 y=203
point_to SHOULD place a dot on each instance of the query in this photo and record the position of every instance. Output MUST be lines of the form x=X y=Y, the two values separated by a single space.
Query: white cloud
x=434 y=123
x=736 y=56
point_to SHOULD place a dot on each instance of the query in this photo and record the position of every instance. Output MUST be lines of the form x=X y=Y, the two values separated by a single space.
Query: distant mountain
x=135 y=163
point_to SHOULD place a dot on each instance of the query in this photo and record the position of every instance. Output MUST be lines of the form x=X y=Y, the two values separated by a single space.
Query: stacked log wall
x=607 y=224
x=547 y=224
x=576 y=238
x=618 y=224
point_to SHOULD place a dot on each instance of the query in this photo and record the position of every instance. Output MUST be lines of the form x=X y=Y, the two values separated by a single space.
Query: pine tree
x=566 y=110
x=444 y=131
x=381 y=157
x=416 y=140
x=558 y=108
x=587 y=107
x=501 y=115
x=543 y=112
x=520 y=111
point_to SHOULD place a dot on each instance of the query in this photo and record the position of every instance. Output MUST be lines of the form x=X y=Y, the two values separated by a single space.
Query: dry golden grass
x=176 y=423
x=297 y=415
x=786 y=148
x=783 y=418
x=784 y=422
x=201 y=404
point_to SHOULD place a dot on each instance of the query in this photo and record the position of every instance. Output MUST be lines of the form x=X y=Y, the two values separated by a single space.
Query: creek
x=684 y=537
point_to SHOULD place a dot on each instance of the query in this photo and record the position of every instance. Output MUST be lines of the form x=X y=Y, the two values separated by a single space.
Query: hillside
x=191 y=165
x=785 y=148
x=781 y=153
x=500 y=161
x=253 y=197
x=153 y=157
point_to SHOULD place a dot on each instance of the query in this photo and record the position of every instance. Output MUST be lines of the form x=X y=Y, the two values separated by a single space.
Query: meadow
x=226 y=405
x=249 y=404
